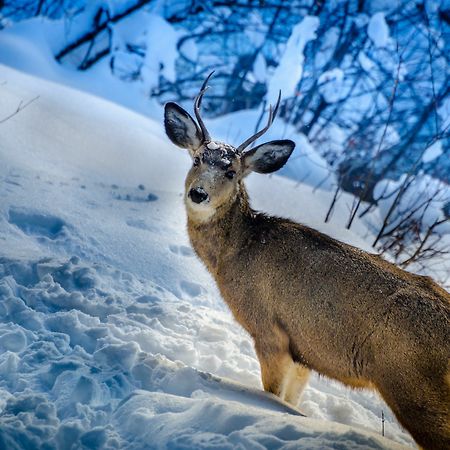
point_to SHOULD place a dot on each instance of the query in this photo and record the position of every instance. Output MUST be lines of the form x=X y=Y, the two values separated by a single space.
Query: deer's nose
x=198 y=195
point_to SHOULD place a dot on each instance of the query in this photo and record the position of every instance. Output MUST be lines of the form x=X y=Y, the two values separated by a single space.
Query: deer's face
x=212 y=181
x=217 y=168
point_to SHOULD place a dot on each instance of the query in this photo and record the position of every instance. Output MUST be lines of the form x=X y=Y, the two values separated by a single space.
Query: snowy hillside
x=112 y=332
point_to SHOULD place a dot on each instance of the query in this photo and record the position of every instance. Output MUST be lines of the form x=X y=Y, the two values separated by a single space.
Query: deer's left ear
x=181 y=127
x=268 y=157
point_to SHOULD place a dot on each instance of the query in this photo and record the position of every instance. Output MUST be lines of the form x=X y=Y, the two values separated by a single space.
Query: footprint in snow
x=36 y=223
x=13 y=341
x=141 y=225
x=138 y=194
x=191 y=289
x=14 y=183
x=182 y=250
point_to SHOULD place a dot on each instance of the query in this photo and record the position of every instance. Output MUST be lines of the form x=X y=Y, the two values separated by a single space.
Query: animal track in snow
x=139 y=194
x=141 y=225
x=191 y=289
x=36 y=223
x=14 y=341
x=12 y=182
x=182 y=250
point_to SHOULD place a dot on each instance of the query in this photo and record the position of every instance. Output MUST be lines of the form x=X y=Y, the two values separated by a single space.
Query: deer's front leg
x=283 y=377
x=272 y=350
x=280 y=374
x=274 y=368
x=294 y=382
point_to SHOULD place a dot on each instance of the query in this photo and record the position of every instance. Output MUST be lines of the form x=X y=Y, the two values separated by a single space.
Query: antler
x=197 y=104
x=272 y=115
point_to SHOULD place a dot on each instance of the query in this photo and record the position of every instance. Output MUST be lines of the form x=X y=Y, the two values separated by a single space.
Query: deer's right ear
x=181 y=128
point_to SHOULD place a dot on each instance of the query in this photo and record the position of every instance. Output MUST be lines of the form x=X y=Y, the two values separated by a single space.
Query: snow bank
x=108 y=323
x=378 y=30
x=290 y=68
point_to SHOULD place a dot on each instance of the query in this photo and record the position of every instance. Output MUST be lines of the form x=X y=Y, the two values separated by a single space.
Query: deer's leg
x=294 y=382
x=280 y=375
x=274 y=367
x=428 y=424
x=422 y=406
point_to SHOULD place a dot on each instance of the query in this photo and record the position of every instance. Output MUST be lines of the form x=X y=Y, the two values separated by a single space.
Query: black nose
x=198 y=195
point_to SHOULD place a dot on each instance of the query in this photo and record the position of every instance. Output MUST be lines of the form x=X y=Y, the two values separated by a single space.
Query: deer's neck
x=215 y=238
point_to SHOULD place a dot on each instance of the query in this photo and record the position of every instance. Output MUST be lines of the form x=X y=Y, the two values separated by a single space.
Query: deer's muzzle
x=198 y=195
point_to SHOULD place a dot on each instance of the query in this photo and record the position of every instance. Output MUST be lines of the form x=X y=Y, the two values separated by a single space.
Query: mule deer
x=311 y=302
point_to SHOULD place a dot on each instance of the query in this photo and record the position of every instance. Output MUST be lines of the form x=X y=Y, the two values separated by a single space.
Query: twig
x=333 y=202
x=430 y=56
x=421 y=246
x=21 y=106
x=403 y=188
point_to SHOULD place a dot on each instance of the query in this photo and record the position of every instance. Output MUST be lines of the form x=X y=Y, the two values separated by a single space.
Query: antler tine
x=275 y=111
x=197 y=104
x=272 y=114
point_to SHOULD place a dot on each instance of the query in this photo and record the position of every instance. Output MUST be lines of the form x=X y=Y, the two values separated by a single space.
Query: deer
x=309 y=301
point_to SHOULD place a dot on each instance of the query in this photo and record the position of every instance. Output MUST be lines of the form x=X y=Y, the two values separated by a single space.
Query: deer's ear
x=181 y=128
x=268 y=157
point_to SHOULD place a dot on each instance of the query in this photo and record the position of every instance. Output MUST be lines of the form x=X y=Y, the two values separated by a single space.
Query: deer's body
x=313 y=303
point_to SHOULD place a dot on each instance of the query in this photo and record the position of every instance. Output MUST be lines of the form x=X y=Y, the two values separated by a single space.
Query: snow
x=330 y=85
x=290 y=68
x=260 y=68
x=378 y=30
x=113 y=334
x=387 y=136
x=213 y=146
x=432 y=152
x=366 y=63
x=158 y=55
x=29 y=46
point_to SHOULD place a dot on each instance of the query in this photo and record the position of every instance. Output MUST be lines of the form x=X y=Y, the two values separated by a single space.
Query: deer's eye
x=196 y=161
x=230 y=174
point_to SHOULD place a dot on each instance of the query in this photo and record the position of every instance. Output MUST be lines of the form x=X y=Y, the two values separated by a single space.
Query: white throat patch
x=201 y=212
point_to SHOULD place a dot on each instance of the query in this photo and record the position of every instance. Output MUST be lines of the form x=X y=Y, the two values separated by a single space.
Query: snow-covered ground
x=112 y=334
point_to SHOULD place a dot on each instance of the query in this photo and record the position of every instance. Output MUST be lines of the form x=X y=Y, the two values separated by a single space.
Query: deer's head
x=218 y=168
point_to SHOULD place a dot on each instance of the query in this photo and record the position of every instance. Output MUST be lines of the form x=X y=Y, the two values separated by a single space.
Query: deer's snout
x=198 y=195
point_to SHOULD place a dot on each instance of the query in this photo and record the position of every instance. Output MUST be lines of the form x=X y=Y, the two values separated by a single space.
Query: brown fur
x=330 y=307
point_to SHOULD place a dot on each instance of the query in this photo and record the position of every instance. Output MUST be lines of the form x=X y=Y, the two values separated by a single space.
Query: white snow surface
x=330 y=85
x=378 y=30
x=432 y=152
x=290 y=68
x=113 y=334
